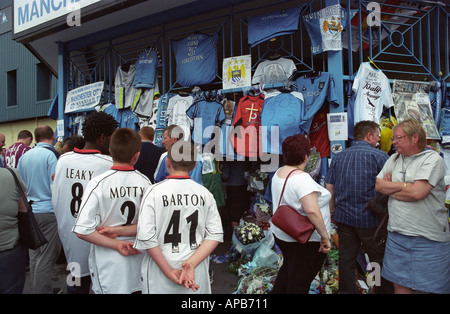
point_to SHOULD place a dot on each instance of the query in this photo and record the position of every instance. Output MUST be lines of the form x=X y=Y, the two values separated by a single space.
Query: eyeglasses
x=397 y=138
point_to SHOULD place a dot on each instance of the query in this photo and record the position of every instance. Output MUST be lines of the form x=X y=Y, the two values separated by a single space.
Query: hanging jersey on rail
x=266 y=26
x=318 y=133
x=125 y=94
x=282 y=116
x=247 y=123
x=196 y=59
x=144 y=105
x=316 y=90
x=206 y=115
x=372 y=91
x=176 y=113
x=273 y=71
x=146 y=69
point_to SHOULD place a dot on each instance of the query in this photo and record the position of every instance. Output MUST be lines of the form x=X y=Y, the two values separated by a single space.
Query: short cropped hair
x=295 y=149
x=98 y=123
x=43 y=132
x=182 y=155
x=147 y=132
x=125 y=143
x=362 y=128
x=24 y=134
x=411 y=127
x=173 y=130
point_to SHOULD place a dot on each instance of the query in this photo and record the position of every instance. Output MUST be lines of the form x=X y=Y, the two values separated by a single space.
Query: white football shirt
x=176 y=114
x=177 y=215
x=113 y=199
x=273 y=71
x=372 y=92
x=72 y=173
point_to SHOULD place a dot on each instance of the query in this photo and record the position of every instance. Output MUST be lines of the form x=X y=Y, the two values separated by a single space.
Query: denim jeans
x=12 y=270
x=351 y=241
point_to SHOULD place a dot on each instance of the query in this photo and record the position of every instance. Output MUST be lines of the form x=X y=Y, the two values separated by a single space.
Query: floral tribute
x=249 y=233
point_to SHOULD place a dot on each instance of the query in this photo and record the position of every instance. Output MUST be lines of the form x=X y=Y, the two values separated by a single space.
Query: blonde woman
x=417 y=253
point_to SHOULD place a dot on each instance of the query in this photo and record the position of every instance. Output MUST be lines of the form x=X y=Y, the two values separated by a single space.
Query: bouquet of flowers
x=259 y=281
x=263 y=213
x=257 y=180
x=330 y=279
x=249 y=233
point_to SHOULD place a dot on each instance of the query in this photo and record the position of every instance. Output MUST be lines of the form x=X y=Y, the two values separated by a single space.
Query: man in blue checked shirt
x=351 y=181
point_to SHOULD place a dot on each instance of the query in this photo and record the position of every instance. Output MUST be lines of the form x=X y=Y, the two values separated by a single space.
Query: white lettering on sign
x=31 y=13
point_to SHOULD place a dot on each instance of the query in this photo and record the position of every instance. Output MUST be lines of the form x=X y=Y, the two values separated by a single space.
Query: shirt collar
x=86 y=151
x=123 y=168
x=361 y=143
x=178 y=177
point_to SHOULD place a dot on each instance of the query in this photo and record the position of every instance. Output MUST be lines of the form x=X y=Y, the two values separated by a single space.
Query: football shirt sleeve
x=146 y=237
x=214 y=229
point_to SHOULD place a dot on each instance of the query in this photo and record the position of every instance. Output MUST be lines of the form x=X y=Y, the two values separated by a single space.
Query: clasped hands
x=184 y=276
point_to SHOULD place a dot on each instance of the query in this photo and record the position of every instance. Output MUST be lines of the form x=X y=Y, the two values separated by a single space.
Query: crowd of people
x=134 y=218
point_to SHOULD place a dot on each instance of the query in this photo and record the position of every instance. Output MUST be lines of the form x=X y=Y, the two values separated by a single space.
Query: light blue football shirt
x=36 y=168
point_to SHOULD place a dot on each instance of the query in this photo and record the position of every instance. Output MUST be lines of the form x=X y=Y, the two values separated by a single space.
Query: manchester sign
x=31 y=13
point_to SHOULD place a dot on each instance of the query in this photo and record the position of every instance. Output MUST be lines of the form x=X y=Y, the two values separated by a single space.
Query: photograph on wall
x=412 y=100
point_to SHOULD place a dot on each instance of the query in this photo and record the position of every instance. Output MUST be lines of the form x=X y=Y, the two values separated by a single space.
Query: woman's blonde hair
x=411 y=127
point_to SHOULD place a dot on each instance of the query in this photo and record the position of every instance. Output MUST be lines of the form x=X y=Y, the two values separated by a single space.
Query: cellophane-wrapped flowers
x=249 y=233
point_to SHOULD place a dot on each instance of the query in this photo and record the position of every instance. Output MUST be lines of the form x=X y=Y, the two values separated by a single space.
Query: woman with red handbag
x=301 y=261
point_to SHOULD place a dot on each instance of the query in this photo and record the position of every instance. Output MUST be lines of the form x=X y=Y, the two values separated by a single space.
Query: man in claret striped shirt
x=16 y=150
x=351 y=181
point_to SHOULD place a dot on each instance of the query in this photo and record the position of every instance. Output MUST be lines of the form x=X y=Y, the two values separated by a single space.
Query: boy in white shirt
x=179 y=226
x=108 y=218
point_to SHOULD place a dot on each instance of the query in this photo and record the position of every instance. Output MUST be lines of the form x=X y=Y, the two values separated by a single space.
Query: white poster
x=84 y=97
x=237 y=72
x=337 y=126
x=60 y=128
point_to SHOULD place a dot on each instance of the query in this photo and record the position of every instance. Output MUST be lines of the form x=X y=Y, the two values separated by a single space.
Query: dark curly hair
x=98 y=123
